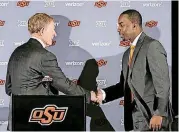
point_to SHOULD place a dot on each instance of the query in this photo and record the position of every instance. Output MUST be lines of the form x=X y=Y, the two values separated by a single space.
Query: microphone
x=46 y=83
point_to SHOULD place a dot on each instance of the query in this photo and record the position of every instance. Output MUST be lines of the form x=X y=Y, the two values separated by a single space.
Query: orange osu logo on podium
x=48 y=114
x=23 y=3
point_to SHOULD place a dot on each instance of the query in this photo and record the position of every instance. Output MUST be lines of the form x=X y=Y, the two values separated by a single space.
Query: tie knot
x=132 y=46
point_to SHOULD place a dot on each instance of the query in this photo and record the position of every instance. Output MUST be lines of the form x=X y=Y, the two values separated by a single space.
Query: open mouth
x=53 y=42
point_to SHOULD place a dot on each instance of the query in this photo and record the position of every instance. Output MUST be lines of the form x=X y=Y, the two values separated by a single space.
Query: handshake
x=97 y=97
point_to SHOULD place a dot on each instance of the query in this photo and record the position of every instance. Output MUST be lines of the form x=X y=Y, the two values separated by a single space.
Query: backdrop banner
x=85 y=30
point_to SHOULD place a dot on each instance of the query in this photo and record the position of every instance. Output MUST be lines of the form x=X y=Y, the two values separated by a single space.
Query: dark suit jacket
x=148 y=74
x=28 y=64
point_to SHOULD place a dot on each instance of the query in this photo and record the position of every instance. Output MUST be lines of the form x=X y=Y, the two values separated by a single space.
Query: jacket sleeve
x=8 y=85
x=115 y=91
x=157 y=61
x=49 y=66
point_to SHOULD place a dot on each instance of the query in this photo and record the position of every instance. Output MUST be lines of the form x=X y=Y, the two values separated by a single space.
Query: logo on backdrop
x=125 y=3
x=151 y=23
x=121 y=102
x=2 y=23
x=101 y=23
x=100 y=4
x=23 y=3
x=124 y=43
x=152 y=4
x=1 y=43
x=22 y=23
x=1 y=103
x=74 y=43
x=74 y=23
x=48 y=114
x=3 y=4
x=101 y=43
x=19 y=43
x=57 y=23
x=49 y=3
x=101 y=82
x=3 y=63
x=2 y=82
x=101 y=62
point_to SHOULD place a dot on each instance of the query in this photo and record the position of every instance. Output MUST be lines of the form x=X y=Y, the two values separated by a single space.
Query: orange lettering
x=62 y=114
x=121 y=102
x=101 y=63
x=100 y=4
x=151 y=23
x=2 y=23
x=2 y=82
x=23 y=3
x=50 y=112
x=48 y=115
x=35 y=115
x=74 y=23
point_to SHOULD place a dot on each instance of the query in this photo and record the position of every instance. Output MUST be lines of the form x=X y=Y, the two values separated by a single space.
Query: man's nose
x=119 y=29
x=55 y=34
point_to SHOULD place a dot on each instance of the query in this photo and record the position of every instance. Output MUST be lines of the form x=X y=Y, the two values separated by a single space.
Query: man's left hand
x=155 y=122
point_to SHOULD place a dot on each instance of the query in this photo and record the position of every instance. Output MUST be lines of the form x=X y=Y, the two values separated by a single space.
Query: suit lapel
x=137 y=48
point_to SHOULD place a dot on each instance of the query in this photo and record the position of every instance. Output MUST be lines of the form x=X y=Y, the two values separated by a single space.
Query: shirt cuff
x=104 y=94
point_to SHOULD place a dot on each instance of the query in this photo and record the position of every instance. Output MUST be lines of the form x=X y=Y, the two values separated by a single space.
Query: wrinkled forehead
x=123 y=19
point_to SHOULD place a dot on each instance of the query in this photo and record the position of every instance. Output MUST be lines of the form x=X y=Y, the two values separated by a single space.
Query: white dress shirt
x=134 y=44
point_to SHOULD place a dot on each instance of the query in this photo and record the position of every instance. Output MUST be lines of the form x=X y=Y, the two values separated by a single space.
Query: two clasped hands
x=97 y=96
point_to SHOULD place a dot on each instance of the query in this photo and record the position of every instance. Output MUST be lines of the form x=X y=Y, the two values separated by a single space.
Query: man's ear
x=41 y=31
x=134 y=24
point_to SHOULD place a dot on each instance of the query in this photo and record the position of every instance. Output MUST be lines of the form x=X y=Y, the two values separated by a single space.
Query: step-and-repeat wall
x=85 y=29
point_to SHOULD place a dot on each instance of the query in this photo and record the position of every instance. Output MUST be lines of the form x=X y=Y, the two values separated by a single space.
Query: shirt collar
x=135 y=40
x=41 y=42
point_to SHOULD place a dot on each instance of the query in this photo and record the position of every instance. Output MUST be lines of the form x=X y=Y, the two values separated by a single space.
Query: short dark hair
x=133 y=15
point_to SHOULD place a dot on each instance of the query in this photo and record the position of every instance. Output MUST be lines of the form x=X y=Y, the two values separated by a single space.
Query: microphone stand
x=46 y=83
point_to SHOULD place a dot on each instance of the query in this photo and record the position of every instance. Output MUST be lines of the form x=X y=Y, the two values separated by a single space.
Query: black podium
x=48 y=113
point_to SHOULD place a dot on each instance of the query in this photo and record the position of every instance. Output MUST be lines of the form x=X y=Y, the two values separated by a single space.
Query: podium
x=48 y=113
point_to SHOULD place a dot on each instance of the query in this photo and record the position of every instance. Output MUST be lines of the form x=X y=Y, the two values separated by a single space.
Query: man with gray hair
x=31 y=62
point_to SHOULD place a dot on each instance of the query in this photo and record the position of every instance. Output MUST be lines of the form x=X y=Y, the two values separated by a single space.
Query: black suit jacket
x=28 y=64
